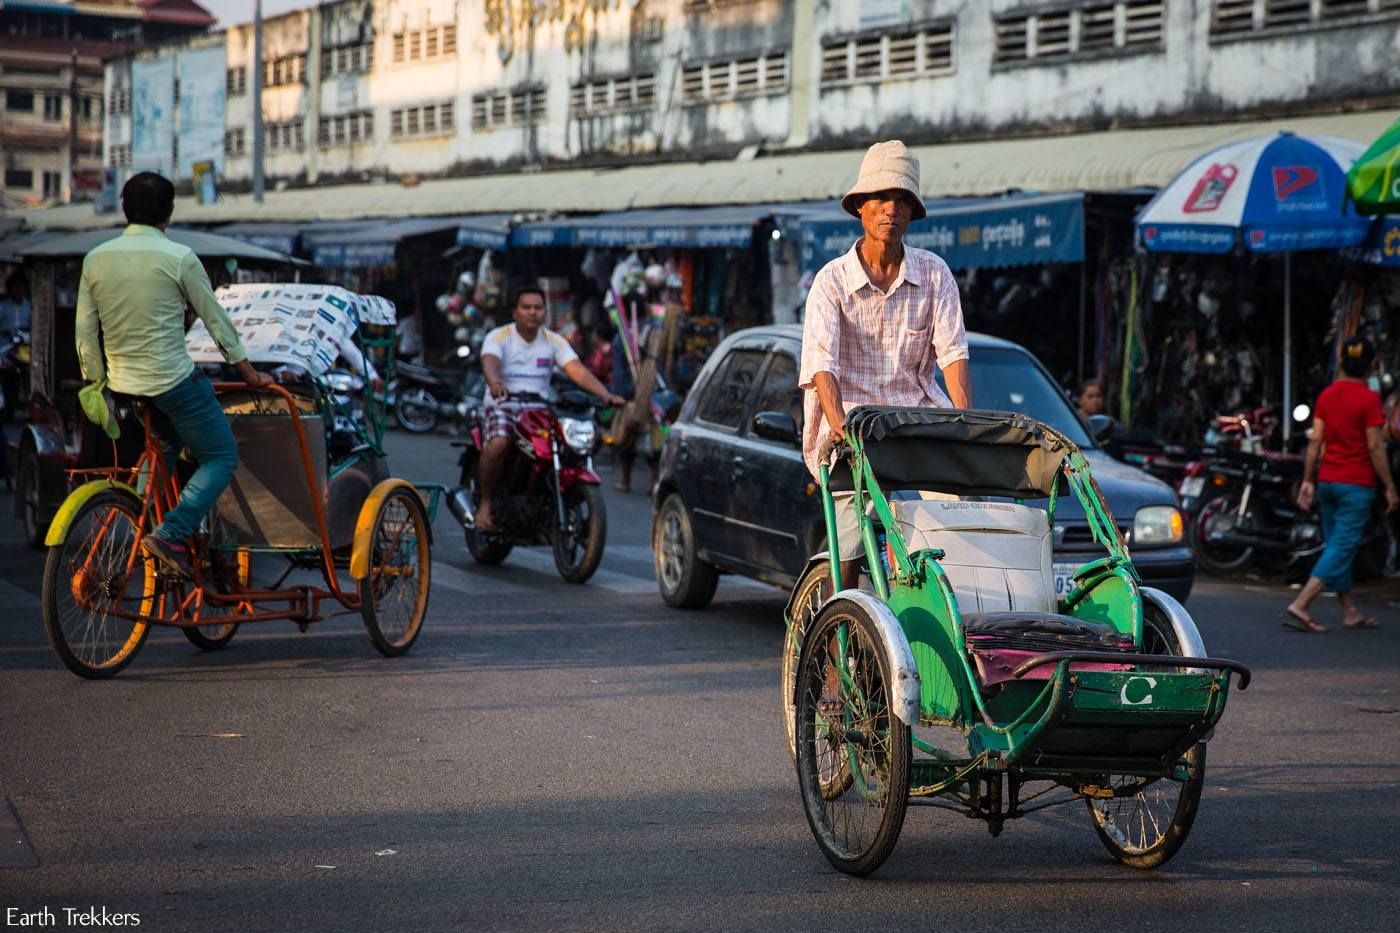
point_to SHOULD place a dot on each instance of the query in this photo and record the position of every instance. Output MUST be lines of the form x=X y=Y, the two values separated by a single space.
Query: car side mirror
x=776 y=426
x=1101 y=426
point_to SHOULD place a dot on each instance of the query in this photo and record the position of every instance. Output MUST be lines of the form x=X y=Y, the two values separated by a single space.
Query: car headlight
x=579 y=434
x=1158 y=524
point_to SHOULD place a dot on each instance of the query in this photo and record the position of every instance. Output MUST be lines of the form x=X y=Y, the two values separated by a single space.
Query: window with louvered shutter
x=449 y=39
x=746 y=76
x=1052 y=34
x=578 y=98
x=775 y=70
x=1011 y=39
x=500 y=104
x=646 y=90
x=1232 y=16
x=835 y=63
x=693 y=82
x=1287 y=12
x=1336 y=9
x=1096 y=28
x=479 y=110
x=938 y=49
x=430 y=43
x=868 y=57
x=904 y=55
x=1142 y=23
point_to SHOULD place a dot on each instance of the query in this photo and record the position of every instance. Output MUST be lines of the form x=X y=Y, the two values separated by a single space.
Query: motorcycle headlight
x=1158 y=524
x=579 y=434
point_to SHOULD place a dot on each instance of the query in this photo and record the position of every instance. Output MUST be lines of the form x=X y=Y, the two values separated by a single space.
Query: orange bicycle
x=101 y=595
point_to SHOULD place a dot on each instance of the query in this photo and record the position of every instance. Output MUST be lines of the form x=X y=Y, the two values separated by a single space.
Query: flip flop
x=1365 y=622
x=1295 y=622
x=621 y=488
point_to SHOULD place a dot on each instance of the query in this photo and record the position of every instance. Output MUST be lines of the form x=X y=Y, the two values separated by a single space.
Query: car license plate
x=1064 y=578
x=1192 y=486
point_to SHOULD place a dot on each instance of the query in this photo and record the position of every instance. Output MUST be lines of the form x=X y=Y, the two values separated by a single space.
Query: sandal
x=1304 y=624
x=1363 y=622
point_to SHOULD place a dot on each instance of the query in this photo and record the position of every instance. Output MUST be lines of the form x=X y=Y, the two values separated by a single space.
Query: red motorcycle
x=548 y=493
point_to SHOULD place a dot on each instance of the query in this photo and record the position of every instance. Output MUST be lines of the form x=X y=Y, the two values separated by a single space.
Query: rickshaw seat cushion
x=996 y=555
x=999 y=642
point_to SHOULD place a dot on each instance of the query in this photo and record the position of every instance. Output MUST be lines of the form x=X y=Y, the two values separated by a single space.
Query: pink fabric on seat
x=994 y=665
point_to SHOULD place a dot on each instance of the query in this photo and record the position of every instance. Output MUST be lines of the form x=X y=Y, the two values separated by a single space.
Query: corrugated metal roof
x=1105 y=161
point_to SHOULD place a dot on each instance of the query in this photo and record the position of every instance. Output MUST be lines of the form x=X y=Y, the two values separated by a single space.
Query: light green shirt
x=136 y=287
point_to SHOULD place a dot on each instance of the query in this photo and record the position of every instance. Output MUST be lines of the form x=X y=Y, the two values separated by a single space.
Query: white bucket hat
x=887 y=166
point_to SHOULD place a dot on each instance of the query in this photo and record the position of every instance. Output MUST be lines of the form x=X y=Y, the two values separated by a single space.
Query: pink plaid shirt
x=881 y=348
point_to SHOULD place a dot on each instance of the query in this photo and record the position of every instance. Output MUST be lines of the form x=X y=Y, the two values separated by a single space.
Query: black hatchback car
x=734 y=494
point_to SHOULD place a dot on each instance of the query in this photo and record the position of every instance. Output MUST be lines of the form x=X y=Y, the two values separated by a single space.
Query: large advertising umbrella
x=1273 y=194
x=1373 y=183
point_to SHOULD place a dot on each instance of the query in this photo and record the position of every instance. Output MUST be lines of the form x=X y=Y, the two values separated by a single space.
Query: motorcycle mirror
x=463 y=352
x=1301 y=413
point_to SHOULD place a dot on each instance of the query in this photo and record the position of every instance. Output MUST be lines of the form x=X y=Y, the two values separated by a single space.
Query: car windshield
x=1009 y=380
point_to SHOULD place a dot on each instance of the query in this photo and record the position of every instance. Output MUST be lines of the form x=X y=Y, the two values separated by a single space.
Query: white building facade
x=363 y=89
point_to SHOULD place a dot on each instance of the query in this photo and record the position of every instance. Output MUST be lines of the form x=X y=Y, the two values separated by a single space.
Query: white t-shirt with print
x=526 y=366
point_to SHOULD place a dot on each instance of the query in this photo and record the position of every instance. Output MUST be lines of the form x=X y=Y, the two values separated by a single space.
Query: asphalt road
x=560 y=757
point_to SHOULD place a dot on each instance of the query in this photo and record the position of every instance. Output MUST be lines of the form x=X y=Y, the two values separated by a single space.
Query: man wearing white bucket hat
x=880 y=321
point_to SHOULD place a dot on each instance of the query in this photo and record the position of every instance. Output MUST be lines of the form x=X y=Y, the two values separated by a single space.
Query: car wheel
x=685 y=581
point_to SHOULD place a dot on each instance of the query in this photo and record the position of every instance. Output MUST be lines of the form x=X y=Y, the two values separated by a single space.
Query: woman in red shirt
x=1346 y=454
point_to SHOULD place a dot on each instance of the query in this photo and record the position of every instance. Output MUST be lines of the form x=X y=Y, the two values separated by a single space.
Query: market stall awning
x=485 y=231
x=205 y=246
x=673 y=227
x=1112 y=160
x=967 y=232
x=369 y=243
x=280 y=237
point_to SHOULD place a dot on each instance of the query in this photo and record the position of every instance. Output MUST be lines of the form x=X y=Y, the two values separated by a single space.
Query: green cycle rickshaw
x=1103 y=695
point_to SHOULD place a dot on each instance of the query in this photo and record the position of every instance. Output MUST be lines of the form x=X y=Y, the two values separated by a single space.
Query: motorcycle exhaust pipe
x=459 y=503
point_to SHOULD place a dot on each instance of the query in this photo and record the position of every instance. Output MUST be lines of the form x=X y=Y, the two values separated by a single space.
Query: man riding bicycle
x=520 y=358
x=131 y=304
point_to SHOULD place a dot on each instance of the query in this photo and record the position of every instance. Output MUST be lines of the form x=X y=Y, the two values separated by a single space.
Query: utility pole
x=257 y=69
x=72 y=127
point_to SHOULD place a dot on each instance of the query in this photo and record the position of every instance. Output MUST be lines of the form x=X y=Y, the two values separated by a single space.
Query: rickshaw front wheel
x=394 y=594
x=98 y=569
x=846 y=722
x=1146 y=821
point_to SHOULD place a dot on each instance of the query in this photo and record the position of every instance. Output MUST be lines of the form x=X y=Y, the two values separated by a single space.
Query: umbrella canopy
x=1373 y=183
x=300 y=325
x=1273 y=194
x=205 y=245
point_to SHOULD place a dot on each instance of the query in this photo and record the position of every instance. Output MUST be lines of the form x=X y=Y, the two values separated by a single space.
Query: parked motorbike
x=1241 y=509
x=548 y=493
x=14 y=371
x=422 y=396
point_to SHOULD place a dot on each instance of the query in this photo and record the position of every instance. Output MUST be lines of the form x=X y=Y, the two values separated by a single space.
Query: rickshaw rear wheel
x=578 y=547
x=812 y=589
x=846 y=720
x=394 y=594
x=1147 y=820
x=86 y=576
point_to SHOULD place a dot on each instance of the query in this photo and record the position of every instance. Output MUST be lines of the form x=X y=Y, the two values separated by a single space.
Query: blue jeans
x=190 y=416
x=1345 y=509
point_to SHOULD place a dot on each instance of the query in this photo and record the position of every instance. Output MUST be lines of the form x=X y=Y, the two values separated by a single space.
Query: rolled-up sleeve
x=821 y=331
x=194 y=282
x=949 y=334
x=87 y=330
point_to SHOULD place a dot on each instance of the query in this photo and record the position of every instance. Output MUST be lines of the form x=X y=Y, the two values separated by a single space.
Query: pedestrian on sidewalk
x=1346 y=455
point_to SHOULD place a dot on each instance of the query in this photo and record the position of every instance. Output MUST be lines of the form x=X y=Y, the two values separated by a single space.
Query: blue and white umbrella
x=1274 y=194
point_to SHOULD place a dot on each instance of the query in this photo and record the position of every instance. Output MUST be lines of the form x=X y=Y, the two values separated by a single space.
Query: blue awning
x=280 y=237
x=485 y=231
x=670 y=227
x=369 y=243
x=967 y=232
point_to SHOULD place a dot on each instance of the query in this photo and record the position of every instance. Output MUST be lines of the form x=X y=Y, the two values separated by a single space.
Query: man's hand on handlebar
x=498 y=389
x=251 y=377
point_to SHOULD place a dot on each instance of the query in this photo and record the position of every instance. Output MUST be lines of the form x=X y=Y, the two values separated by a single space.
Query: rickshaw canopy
x=964 y=452
x=296 y=324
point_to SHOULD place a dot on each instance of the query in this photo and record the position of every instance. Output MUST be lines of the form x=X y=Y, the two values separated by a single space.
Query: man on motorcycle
x=520 y=357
